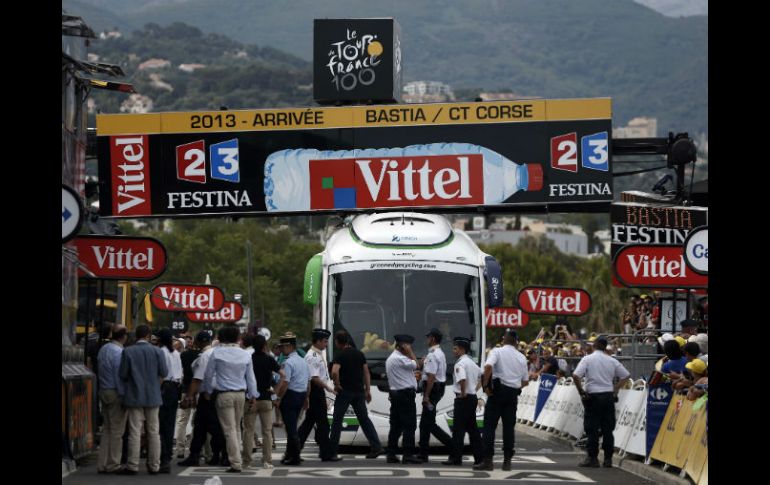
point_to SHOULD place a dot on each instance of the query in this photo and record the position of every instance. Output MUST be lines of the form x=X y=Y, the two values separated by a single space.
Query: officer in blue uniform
x=400 y=368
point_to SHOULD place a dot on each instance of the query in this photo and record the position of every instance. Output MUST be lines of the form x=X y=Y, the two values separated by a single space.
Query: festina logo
x=111 y=258
x=554 y=301
x=130 y=170
x=568 y=190
x=216 y=198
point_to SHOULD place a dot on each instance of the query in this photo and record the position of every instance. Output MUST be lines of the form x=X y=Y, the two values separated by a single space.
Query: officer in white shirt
x=599 y=396
x=432 y=384
x=505 y=373
x=400 y=367
x=466 y=381
x=317 y=414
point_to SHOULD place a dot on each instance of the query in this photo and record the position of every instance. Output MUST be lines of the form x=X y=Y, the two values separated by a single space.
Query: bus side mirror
x=493 y=274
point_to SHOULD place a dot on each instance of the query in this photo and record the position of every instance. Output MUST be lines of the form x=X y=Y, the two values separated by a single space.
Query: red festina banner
x=645 y=266
x=189 y=298
x=554 y=301
x=231 y=311
x=120 y=257
x=506 y=317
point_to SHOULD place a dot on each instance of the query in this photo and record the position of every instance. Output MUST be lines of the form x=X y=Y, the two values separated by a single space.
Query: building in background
x=427 y=92
x=568 y=238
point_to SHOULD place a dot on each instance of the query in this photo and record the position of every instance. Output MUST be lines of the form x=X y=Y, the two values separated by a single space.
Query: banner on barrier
x=526 y=407
x=637 y=441
x=698 y=451
x=630 y=402
x=658 y=399
x=547 y=383
x=671 y=432
x=573 y=405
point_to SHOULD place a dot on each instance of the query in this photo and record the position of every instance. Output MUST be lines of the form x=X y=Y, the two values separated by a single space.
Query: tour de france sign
x=516 y=155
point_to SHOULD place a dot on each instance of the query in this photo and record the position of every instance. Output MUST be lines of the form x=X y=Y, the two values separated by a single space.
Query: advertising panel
x=663 y=266
x=545 y=387
x=121 y=257
x=554 y=301
x=445 y=155
x=231 y=311
x=189 y=298
x=506 y=317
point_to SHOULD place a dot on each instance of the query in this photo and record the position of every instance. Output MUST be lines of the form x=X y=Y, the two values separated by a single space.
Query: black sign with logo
x=356 y=60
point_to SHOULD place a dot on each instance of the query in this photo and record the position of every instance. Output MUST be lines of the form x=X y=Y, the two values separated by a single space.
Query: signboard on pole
x=696 y=250
x=644 y=266
x=520 y=155
x=231 y=311
x=121 y=257
x=189 y=298
x=554 y=301
x=506 y=317
x=71 y=213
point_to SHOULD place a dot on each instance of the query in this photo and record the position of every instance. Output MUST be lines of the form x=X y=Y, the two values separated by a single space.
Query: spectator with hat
x=505 y=373
x=599 y=396
x=316 y=415
x=433 y=383
x=699 y=373
x=400 y=367
x=675 y=359
x=702 y=339
x=466 y=380
x=352 y=382
x=292 y=395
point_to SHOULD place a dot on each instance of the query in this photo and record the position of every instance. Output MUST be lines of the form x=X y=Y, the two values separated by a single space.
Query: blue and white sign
x=595 y=154
x=71 y=213
x=696 y=250
x=547 y=384
x=658 y=398
x=493 y=274
x=224 y=161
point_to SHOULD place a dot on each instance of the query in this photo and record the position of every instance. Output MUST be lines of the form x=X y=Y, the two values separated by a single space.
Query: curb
x=626 y=463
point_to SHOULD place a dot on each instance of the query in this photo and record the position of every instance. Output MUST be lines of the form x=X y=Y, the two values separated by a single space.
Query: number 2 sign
x=594 y=148
x=564 y=152
x=223 y=156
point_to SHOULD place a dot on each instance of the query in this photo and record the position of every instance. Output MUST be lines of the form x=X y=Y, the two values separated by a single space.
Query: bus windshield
x=375 y=305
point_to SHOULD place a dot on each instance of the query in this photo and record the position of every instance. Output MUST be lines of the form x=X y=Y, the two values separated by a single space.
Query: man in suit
x=142 y=369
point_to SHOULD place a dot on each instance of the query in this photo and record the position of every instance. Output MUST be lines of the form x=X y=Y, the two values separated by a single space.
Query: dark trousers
x=403 y=421
x=167 y=420
x=599 y=417
x=428 y=424
x=358 y=401
x=207 y=422
x=291 y=406
x=316 y=416
x=465 y=422
x=502 y=403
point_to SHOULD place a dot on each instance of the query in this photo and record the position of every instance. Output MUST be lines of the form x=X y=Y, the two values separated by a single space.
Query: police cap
x=320 y=333
x=434 y=332
x=203 y=336
x=509 y=332
x=463 y=342
x=404 y=339
x=288 y=338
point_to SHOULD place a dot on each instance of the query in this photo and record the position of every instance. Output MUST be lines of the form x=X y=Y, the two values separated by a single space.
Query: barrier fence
x=652 y=422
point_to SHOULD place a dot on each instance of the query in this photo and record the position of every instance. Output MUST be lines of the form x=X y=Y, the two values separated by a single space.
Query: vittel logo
x=554 y=301
x=130 y=168
x=430 y=180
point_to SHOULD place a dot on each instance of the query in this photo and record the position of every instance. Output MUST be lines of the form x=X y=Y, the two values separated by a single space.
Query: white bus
x=401 y=273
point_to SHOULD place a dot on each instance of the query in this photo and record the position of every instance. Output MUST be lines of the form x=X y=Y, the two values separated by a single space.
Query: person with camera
x=400 y=367
x=599 y=397
x=505 y=373
x=432 y=384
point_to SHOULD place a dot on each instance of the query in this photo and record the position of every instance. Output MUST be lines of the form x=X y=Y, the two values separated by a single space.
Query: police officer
x=599 y=395
x=433 y=382
x=505 y=373
x=466 y=380
x=400 y=367
x=292 y=395
x=319 y=382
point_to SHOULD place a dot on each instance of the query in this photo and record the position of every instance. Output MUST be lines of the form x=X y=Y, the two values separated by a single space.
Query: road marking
x=395 y=472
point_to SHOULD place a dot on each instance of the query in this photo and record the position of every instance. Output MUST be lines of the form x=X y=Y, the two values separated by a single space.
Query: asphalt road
x=536 y=462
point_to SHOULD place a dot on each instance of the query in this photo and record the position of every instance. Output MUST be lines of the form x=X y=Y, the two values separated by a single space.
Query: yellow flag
x=147 y=308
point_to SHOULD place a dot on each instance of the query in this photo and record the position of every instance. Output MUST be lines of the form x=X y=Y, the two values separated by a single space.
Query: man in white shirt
x=433 y=383
x=505 y=373
x=599 y=396
x=400 y=367
x=466 y=381
x=317 y=412
x=169 y=390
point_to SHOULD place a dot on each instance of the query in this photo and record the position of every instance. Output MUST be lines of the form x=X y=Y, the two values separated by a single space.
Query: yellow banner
x=355 y=117
x=704 y=475
x=698 y=456
x=672 y=431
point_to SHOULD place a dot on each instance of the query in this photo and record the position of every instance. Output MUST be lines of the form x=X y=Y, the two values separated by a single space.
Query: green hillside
x=651 y=65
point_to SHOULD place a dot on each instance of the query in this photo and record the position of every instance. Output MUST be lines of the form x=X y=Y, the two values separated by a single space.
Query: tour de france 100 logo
x=352 y=60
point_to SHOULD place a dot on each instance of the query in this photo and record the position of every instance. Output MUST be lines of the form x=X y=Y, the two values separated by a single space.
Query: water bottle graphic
x=430 y=174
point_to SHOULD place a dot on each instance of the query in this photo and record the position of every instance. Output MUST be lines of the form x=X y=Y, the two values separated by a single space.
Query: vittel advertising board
x=513 y=155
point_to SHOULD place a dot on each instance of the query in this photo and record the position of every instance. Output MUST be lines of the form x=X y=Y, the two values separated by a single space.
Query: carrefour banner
x=517 y=155
x=658 y=399
x=547 y=384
